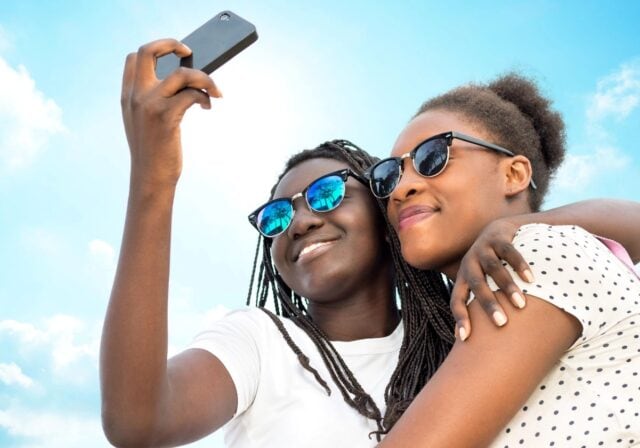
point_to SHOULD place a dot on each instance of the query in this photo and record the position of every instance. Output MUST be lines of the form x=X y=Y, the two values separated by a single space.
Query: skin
x=475 y=189
x=490 y=223
x=445 y=202
x=149 y=401
x=350 y=290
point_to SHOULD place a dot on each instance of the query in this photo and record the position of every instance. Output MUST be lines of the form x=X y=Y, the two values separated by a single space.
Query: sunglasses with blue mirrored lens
x=429 y=159
x=322 y=195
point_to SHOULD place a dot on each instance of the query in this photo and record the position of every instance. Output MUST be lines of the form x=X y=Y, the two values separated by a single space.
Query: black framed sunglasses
x=429 y=158
x=322 y=195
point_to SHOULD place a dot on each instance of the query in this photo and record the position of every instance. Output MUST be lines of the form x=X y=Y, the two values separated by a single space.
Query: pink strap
x=619 y=251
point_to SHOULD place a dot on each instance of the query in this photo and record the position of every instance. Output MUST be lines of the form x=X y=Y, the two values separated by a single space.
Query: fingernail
x=462 y=332
x=499 y=318
x=518 y=299
x=528 y=275
x=187 y=47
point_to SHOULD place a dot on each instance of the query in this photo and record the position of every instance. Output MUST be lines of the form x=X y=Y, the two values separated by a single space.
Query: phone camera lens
x=225 y=17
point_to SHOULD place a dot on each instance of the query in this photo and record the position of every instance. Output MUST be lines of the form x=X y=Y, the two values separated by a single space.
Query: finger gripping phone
x=213 y=44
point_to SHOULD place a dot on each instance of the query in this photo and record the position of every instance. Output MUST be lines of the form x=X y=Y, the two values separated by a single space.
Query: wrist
x=145 y=189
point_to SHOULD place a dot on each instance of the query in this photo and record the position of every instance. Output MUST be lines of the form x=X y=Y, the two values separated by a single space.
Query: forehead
x=430 y=123
x=300 y=176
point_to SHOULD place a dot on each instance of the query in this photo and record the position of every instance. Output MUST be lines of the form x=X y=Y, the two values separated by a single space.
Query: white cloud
x=27 y=117
x=52 y=430
x=578 y=171
x=63 y=331
x=71 y=345
x=617 y=94
x=103 y=252
x=12 y=374
x=26 y=333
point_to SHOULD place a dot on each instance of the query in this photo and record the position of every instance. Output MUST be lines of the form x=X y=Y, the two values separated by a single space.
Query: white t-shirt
x=592 y=396
x=280 y=404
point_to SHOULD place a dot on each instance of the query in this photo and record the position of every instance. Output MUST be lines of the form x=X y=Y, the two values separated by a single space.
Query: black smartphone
x=213 y=44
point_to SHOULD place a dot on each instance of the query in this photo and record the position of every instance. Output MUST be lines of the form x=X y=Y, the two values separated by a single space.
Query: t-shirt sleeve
x=573 y=271
x=235 y=341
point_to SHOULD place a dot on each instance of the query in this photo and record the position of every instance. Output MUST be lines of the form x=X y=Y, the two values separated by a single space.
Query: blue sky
x=317 y=72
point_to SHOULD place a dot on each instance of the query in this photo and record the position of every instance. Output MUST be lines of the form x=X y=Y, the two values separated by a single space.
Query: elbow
x=122 y=431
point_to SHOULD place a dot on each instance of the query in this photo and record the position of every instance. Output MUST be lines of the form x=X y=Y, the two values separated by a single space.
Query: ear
x=518 y=174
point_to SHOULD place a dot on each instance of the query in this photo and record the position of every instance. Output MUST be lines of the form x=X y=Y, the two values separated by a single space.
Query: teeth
x=312 y=247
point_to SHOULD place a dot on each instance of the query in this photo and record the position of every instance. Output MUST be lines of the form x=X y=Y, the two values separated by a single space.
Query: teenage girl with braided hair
x=566 y=370
x=273 y=371
x=286 y=383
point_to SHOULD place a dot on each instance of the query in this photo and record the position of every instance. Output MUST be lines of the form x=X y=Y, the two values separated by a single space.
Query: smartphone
x=213 y=44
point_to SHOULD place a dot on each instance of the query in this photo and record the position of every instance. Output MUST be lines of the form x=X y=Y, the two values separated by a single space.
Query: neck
x=369 y=313
x=511 y=211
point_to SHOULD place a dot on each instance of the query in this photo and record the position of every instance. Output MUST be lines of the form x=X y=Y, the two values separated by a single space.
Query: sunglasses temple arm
x=477 y=141
x=468 y=138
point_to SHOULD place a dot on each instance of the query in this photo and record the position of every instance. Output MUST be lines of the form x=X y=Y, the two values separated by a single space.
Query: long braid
x=285 y=300
x=423 y=296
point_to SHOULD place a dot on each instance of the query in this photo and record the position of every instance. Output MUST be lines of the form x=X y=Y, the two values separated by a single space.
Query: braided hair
x=424 y=303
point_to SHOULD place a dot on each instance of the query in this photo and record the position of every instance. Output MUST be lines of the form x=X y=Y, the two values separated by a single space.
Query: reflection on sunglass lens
x=275 y=217
x=385 y=177
x=431 y=157
x=326 y=194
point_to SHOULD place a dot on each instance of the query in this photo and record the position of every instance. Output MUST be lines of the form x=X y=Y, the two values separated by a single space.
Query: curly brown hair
x=518 y=117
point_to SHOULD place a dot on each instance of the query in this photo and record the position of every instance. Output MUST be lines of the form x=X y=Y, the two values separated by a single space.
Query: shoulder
x=562 y=239
x=244 y=326
x=577 y=273
x=570 y=255
x=248 y=344
x=567 y=253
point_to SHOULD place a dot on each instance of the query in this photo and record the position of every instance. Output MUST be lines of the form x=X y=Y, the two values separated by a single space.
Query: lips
x=411 y=215
x=310 y=248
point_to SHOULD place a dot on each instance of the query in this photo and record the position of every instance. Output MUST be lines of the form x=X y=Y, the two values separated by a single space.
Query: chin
x=431 y=257
x=416 y=257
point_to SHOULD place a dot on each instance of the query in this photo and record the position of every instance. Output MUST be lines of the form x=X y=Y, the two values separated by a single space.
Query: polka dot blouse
x=592 y=396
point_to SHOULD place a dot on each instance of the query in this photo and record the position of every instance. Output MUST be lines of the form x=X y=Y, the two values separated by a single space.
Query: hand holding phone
x=153 y=109
x=213 y=44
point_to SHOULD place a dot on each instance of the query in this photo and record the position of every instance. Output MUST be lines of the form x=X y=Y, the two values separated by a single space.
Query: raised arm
x=146 y=400
x=611 y=218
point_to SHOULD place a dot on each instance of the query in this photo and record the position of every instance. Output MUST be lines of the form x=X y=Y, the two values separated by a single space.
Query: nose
x=304 y=221
x=410 y=182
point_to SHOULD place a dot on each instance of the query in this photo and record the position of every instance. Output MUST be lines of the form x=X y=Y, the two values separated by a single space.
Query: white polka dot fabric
x=592 y=396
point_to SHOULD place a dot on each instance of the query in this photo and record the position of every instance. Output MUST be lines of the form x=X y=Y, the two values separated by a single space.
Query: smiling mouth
x=313 y=249
x=412 y=215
